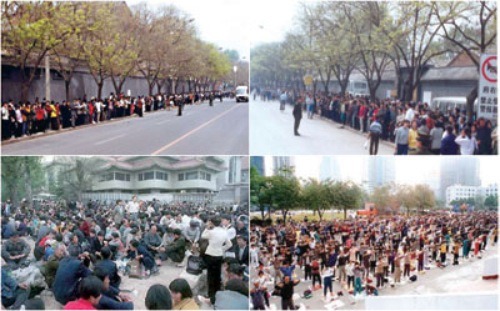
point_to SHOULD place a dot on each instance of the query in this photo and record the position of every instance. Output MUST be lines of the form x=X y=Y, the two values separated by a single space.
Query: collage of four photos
x=249 y=155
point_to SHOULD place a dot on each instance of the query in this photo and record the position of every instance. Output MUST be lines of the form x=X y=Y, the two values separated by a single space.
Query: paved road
x=202 y=130
x=271 y=132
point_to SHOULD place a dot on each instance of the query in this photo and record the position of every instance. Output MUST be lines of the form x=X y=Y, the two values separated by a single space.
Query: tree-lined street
x=200 y=130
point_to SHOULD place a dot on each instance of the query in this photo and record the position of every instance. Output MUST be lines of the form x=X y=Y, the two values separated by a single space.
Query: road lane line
x=108 y=140
x=192 y=131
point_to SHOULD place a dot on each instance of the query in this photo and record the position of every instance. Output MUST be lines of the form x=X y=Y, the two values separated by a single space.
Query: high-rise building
x=258 y=163
x=458 y=170
x=379 y=171
x=283 y=163
x=330 y=169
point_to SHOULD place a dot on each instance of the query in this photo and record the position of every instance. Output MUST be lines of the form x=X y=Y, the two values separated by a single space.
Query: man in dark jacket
x=483 y=138
x=177 y=249
x=297 y=115
x=448 y=145
x=139 y=252
x=109 y=267
x=69 y=273
x=111 y=298
x=241 y=250
x=15 y=250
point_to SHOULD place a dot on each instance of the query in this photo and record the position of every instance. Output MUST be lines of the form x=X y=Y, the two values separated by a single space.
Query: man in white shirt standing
x=410 y=113
x=231 y=233
x=218 y=244
x=133 y=208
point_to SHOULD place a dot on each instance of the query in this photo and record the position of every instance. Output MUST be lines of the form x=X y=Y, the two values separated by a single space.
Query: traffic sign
x=489 y=69
x=308 y=80
x=487 y=93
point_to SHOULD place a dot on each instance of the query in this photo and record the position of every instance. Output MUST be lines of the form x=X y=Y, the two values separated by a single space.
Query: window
x=161 y=175
x=191 y=175
x=122 y=176
x=180 y=177
x=106 y=177
x=208 y=177
x=149 y=175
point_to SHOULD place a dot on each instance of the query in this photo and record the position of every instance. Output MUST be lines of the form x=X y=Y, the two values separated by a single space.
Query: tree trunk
x=470 y=103
x=25 y=88
x=151 y=85
x=100 y=85
x=345 y=213
x=284 y=216
x=27 y=181
x=158 y=87
x=262 y=212
x=66 y=88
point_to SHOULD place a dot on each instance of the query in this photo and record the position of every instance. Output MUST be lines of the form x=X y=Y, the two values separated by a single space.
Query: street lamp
x=235 y=68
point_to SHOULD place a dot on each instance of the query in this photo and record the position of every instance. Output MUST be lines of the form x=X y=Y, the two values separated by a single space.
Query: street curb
x=60 y=131
x=384 y=142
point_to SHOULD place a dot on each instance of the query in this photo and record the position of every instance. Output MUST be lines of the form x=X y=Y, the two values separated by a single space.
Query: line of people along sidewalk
x=414 y=127
x=25 y=119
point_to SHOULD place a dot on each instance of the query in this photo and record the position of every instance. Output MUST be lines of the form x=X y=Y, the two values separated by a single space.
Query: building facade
x=458 y=171
x=379 y=171
x=258 y=163
x=235 y=182
x=329 y=169
x=461 y=192
x=283 y=163
x=165 y=178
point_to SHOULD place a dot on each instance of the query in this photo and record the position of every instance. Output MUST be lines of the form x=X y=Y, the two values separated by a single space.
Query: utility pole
x=47 y=77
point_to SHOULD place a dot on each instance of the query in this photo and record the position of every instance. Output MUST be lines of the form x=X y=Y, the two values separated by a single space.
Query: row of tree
x=65 y=178
x=334 y=39
x=110 y=41
x=479 y=202
x=285 y=192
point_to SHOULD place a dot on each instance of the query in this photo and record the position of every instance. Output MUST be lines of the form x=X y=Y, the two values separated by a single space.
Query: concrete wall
x=81 y=84
x=479 y=301
x=447 y=88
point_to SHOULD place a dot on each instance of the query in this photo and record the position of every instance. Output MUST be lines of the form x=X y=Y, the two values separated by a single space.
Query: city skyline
x=412 y=170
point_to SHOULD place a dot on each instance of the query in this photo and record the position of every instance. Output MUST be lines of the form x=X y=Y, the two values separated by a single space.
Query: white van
x=445 y=104
x=242 y=94
x=358 y=88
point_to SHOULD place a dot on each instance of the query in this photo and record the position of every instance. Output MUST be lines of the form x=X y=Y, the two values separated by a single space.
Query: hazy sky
x=271 y=20
x=411 y=169
x=222 y=22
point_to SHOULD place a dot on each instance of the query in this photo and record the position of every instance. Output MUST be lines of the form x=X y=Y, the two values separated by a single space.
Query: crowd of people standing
x=361 y=255
x=414 y=127
x=28 y=118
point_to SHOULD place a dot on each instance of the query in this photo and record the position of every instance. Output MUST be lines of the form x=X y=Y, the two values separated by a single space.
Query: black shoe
x=297 y=134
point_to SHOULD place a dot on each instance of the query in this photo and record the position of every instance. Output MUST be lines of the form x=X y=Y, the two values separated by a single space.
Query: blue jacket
x=108 y=303
x=448 y=145
x=110 y=267
x=67 y=279
x=9 y=285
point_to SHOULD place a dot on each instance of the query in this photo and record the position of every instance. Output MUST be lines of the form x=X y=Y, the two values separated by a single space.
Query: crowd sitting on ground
x=82 y=252
x=364 y=255
x=414 y=127
x=28 y=118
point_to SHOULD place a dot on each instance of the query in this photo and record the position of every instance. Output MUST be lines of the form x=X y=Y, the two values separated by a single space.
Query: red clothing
x=362 y=111
x=85 y=228
x=40 y=113
x=80 y=304
x=43 y=240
